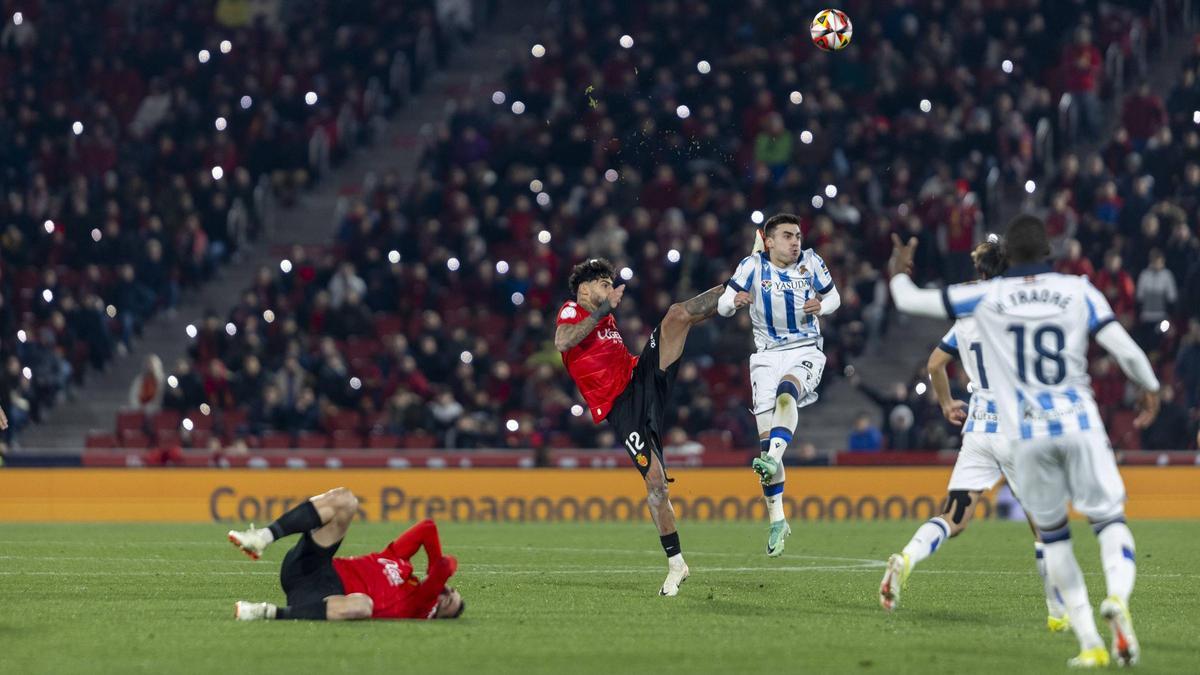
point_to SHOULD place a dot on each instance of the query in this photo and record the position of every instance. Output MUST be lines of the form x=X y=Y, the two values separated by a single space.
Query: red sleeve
x=434 y=583
x=570 y=313
x=423 y=534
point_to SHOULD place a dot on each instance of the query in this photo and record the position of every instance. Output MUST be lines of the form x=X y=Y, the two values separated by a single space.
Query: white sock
x=1054 y=605
x=926 y=540
x=773 y=496
x=1116 y=554
x=675 y=560
x=1064 y=572
x=266 y=533
x=783 y=424
x=271 y=610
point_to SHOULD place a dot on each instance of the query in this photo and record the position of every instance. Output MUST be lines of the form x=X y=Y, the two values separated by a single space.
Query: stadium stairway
x=471 y=71
x=894 y=358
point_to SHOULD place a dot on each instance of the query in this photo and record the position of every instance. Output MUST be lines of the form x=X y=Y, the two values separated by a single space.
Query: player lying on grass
x=320 y=587
x=786 y=287
x=631 y=392
x=1034 y=326
x=983 y=460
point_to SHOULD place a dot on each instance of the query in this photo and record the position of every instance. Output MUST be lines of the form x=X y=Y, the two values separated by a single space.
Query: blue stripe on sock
x=764 y=444
x=1052 y=536
x=782 y=433
x=941 y=526
x=1039 y=553
x=1099 y=527
x=772 y=490
x=1128 y=553
x=1058 y=596
x=787 y=387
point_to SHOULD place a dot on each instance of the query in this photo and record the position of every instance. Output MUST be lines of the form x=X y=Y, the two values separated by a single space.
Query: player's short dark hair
x=589 y=270
x=989 y=259
x=1026 y=241
x=779 y=219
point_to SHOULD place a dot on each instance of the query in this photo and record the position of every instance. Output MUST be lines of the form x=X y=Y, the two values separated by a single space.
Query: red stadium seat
x=201 y=421
x=388 y=324
x=232 y=419
x=134 y=439
x=312 y=440
x=343 y=420
x=345 y=439
x=420 y=440
x=100 y=441
x=199 y=438
x=130 y=420
x=716 y=439
x=167 y=438
x=383 y=441
x=275 y=440
x=167 y=419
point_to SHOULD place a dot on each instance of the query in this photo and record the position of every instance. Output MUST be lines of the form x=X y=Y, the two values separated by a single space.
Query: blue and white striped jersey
x=963 y=341
x=1034 y=327
x=777 y=312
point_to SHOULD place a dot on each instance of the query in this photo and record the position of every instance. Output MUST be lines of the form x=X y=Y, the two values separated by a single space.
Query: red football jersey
x=600 y=364
x=389 y=581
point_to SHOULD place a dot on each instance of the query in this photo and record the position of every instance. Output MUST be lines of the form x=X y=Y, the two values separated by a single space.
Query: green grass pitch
x=580 y=598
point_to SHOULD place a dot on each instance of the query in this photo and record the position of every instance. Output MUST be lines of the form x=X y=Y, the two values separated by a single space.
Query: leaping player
x=786 y=287
x=631 y=392
x=983 y=460
x=1034 y=326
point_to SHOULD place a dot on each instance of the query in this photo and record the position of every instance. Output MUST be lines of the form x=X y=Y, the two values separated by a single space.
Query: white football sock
x=928 y=537
x=1064 y=572
x=1054 y=605
x=1116 y=554
x=783 y=424
x=266 y=534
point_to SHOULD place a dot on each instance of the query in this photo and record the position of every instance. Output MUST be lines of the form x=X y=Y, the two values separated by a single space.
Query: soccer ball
x=831 y=30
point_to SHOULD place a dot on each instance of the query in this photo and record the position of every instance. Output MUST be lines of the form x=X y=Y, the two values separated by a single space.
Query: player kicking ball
x=983 y=460
x=1034 y=326
x=631 y=392
x=321 y=587
x=786 y=288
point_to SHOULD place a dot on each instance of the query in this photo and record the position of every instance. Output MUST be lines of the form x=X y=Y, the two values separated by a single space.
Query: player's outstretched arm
x=570 y=334
x=1133 y=362
x=954 y=411
x=908 y=297
x=703 y=306
x=732 y=300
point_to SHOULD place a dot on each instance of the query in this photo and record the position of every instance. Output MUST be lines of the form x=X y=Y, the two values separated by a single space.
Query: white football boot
x=253 y=611
x=252 y=542
x=677 y=573
x=895 y=578
x=1125 y=648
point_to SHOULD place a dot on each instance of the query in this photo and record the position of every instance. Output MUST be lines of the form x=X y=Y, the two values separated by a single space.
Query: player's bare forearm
x=569 y=335
x=704 y=305
x=952 y=410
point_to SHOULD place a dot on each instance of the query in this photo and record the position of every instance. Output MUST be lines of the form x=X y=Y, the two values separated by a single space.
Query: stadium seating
x=134 y=177
x=468 y=261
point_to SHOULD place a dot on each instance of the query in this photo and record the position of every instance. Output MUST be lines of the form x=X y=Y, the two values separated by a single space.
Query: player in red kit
x=380 y=585
x=631 y=392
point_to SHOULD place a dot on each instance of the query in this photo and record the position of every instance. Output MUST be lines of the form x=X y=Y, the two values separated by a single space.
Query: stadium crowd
x=428 y=321
x=430 y=318
x=144 y=142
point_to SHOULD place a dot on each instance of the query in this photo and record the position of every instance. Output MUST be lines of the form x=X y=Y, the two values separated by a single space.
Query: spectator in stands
x=146 y=391
x=1081 y=67
x=1074 y=261
x=1156 y=296
x=344 y=284
x=1116 y=285
x=185 y=389
x=1169 y=430
x=808 y=455
x=865 y=437
x=1143 y=114
x=1187 y=365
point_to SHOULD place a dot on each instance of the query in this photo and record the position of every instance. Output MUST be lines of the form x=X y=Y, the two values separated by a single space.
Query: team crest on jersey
x=642 y=461
x=568 y=312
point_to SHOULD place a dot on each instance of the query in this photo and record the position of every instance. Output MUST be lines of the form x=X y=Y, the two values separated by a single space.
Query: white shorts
x=1079 y=467
x=767 y=370
x=983 y=460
